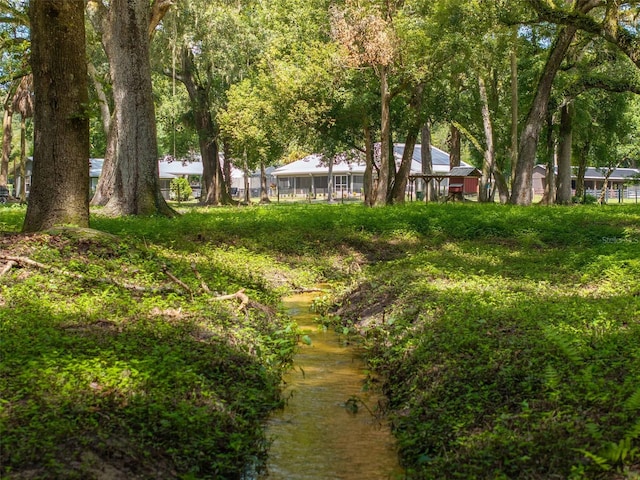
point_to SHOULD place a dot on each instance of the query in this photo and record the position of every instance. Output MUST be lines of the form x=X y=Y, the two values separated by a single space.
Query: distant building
x=593 y=179
x=310 y=175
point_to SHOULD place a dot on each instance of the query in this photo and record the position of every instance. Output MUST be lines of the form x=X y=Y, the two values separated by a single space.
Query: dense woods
x=500 y=83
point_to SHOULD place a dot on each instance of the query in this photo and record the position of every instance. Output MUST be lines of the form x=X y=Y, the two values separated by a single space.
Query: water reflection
x=317 y=436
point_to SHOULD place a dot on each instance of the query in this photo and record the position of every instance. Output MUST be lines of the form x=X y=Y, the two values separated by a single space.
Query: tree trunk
x=548 y=198
x=563 y=186
x=514 y=106
x=136 y=184
x=501 y=185
x=523 y=180
x=605 y=185
x=488 y=166
x=7 y=134
x=384 y=180
x=264 y=188
x=369 y=193
x=23 y=158
x=60 y=180
x=105 y=111
x=247 y=186
x=430 y=193
x=330 y=161
x=454 y=146
x=226 y=171
x=213 y=180
x=106 y=181
x=402 y=176
x=582 y=170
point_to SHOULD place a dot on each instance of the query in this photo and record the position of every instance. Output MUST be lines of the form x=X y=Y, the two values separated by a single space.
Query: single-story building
x=593 y=179
x=310 y=175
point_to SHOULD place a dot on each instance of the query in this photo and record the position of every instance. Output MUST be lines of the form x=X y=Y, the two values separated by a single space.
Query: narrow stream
x=316 y=436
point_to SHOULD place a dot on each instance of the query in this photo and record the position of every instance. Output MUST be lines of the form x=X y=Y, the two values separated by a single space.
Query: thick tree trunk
x=7 y=134
x=523 y=180
x=60 y=180
x=136 y=189
x=430 y=193
x=563 y=184
x=384 y=179
x=264 y=188
x=454 y=146
x=488 y=165
x=502 y=186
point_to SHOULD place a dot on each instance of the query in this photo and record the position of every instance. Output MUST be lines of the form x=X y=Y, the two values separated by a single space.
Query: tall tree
x=367 y=37
x=23 y=105
x=60 y=182
x=14 y=45
x=129 y=184
x=522 y=186
x=213 y=45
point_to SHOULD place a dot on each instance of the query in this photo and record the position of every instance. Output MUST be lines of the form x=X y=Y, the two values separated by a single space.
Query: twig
x=204 y=286
x=176 y=280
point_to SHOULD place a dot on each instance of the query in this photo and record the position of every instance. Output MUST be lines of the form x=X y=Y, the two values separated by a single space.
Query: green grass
x=506 y=338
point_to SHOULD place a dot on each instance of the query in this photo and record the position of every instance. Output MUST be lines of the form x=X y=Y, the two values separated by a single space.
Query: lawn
x=505 y=338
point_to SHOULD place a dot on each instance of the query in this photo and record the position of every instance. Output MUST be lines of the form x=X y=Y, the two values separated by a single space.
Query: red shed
x=464 y=180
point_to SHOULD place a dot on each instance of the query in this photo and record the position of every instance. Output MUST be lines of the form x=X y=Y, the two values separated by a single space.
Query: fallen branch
x=27 y=262
x=244 y=299
x=10 y=264
x=176 y=280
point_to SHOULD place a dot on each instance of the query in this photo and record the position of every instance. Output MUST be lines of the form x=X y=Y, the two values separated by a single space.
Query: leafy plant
x=180 y=189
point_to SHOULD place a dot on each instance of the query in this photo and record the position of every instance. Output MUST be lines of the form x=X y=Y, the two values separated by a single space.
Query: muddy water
x=317 y=436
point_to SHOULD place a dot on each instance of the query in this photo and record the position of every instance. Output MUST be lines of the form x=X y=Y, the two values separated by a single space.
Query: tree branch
x=158 y=10
x=610 y=29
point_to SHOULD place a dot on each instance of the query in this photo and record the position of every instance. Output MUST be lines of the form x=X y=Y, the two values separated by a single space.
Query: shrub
x=180 y=189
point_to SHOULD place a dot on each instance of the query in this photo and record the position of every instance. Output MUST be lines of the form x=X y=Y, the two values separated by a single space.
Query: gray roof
x=316 y=165
x=438 y=157
x=596 y=173
x=464 y=172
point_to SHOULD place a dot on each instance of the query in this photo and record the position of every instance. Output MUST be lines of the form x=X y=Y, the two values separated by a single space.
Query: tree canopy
x=263 y=82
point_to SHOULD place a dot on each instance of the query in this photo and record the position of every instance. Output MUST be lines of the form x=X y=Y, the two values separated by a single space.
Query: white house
x=310 y=175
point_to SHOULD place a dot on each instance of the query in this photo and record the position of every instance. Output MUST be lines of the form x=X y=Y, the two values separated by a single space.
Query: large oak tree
x=129 y=184
x=60 y=181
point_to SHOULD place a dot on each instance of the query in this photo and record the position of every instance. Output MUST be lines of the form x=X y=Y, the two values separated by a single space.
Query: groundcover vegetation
x=507 y=339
